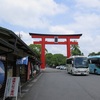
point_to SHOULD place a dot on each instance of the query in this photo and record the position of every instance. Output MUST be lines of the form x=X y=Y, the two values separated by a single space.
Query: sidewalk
x=26 y=87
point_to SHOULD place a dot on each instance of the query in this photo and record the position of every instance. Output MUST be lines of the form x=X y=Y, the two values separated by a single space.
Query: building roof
x=9 y=41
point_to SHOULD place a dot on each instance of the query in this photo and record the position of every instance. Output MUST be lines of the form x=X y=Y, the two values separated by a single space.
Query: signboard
x=56 y=39
x=12 y=86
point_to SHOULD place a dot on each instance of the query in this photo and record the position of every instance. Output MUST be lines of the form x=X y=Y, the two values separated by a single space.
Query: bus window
x=69 y=61
x=80 y=62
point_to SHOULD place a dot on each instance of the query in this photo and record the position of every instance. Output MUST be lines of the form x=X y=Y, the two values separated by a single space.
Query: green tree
x=93 y=54
x=55 y=60
x=75 y=50
x=49 y=59
x=98 y=53
x=37 y=49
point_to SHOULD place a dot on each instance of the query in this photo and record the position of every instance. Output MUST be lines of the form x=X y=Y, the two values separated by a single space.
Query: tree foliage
x=93 y=54
x=36 y=49
x=49 y=59
x=75 y=50
x=55 y=60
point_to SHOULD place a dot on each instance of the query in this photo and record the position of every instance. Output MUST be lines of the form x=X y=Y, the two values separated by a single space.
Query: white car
x=62 y=67
x=58 y=67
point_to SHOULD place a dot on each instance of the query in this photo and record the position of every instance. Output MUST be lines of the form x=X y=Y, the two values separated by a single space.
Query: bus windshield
x=80 y=62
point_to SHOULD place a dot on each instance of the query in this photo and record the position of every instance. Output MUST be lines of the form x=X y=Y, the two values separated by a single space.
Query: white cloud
x=83 y=23
x=88 y=3
x=86 y=22
x=89 y=43
x=61 y=29
x=90 y=40
x=29 y=13
x=56 y=49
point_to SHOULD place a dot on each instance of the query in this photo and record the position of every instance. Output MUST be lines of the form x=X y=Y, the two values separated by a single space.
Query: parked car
x=58 y=67
x=62 y=67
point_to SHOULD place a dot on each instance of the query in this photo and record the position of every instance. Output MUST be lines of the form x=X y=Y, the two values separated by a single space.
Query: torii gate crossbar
x=56 y=37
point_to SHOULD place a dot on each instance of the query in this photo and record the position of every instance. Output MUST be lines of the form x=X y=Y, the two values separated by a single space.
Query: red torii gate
x=55 y=37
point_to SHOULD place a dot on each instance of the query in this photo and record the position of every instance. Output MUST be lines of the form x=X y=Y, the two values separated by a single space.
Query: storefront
x=6 y=62
x=12 y=48
x=26 y=67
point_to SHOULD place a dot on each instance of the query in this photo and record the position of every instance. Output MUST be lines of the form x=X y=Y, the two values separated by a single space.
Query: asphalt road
x=54 y=84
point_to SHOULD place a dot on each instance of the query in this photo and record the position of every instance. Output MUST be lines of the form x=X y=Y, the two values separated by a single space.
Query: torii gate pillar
x=56 y=37
x=43 y=53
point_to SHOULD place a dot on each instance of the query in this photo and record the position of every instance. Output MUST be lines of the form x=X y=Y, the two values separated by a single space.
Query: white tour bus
x=77 y=65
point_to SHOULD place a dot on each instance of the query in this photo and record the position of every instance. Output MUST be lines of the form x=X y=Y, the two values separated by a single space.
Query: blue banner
x=2 y=73
x=22 y=61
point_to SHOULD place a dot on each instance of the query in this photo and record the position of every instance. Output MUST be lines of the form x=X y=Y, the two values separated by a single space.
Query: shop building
x=16 y=59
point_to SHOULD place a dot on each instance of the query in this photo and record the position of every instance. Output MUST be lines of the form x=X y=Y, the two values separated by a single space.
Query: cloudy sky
x=54 y=17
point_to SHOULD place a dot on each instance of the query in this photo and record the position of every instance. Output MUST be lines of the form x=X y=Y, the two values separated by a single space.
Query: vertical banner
x=12 y=86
